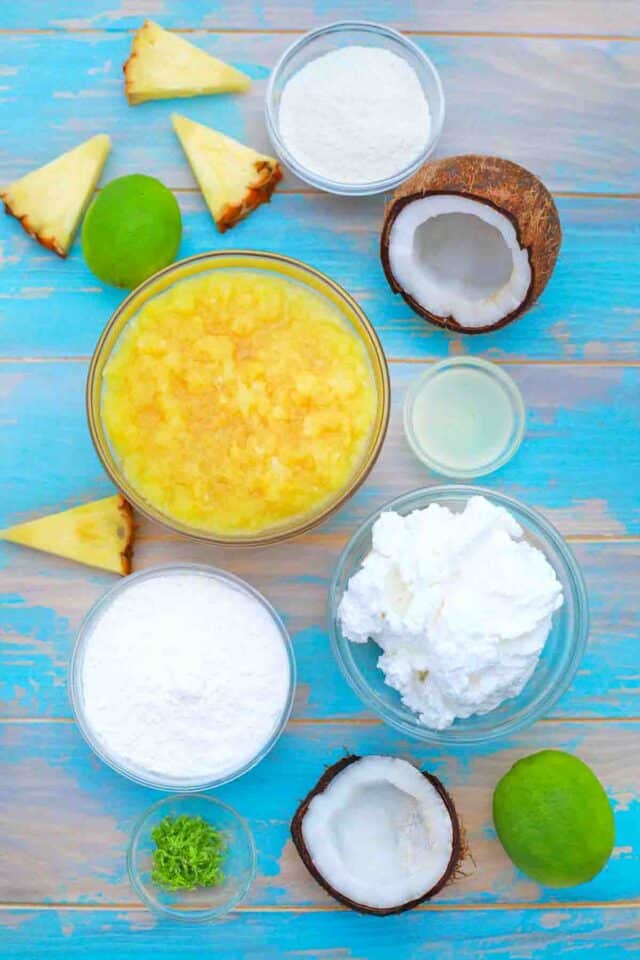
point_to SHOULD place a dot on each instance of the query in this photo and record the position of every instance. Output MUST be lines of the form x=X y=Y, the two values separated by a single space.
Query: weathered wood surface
x=589 y=311
x=580 y=17
x=565 y=108
x=45 y=598
x=44 y=435
x=545 y=934
x=551 y=83
x=69 y=819
x=44 y=602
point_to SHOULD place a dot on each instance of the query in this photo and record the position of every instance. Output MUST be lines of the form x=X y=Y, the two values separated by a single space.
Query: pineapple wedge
x=99 y=534
x=164 y=65
x=49 y=202
x=234 y=179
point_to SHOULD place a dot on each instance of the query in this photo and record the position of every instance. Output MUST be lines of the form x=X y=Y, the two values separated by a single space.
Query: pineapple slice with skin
x=234 y=179
x=98 y=534
x=49 y=202
x=163 y=65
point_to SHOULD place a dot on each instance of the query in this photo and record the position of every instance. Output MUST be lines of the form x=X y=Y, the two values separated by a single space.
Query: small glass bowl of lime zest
x=234 y=870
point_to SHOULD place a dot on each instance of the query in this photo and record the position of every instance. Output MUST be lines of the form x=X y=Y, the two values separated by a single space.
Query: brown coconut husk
x=510 y=189
x=458 y=850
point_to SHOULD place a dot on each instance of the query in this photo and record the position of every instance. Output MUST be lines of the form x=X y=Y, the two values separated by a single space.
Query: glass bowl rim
x=73 y=676
x=368 y=336
x=452 y=736
x=201 y=916
x=511 y=390
x=335 y=186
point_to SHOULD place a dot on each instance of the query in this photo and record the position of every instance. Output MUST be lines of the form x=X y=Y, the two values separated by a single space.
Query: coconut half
x=470 y=242
x=378 y=834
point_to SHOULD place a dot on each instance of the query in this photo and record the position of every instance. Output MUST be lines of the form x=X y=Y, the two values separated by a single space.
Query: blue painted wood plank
x=554 y=105
x=66 y=817
x=582 y=484
x=43 y=600
x=590 y=310
x=598 y=934
x=534 y=16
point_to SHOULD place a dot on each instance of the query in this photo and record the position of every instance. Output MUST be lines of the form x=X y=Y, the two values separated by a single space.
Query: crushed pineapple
x=237 y=401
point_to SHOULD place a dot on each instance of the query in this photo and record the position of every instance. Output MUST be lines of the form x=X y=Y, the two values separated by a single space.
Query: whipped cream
x=460 y=605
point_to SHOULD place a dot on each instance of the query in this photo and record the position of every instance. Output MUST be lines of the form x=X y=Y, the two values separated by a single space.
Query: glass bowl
x=363 y=34
x=288 y=269
x=209 y=903
x=76 y=693
x=493 y=410
x=558 y=663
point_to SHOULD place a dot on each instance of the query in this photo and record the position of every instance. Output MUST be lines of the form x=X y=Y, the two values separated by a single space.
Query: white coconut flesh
x=459 y=258
x=380 y=833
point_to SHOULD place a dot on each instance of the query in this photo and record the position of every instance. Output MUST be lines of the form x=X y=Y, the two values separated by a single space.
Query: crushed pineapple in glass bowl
x=238 y=397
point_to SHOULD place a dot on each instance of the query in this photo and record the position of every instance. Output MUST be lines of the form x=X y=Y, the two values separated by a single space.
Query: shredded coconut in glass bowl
x=355 y=115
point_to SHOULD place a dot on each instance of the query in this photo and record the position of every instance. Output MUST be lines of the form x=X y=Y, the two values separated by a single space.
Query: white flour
x=460 y=605
x=184 y=676
x=355 y=115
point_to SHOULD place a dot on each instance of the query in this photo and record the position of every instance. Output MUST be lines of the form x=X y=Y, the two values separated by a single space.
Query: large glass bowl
x=560 y=658
x=209 y=903
x=288 y=269
x=359 y=33
x=76 y=689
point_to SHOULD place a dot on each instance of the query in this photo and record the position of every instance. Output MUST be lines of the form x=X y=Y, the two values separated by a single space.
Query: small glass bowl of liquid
x=464 y=417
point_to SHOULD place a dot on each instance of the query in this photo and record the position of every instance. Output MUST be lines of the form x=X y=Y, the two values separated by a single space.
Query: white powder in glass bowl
x=355 y=115
x=183 y=675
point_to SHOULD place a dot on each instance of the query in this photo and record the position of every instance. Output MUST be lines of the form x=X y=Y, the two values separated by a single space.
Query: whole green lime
x=132 y=229
x=554 y=819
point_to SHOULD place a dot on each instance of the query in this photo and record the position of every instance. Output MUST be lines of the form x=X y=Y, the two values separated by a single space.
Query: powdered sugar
x=184 y=676
x=355 y=115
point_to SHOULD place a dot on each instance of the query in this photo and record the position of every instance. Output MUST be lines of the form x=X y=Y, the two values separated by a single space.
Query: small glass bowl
x=498 y=378
x=209 y=903
x=363 y=34
x=269 y=263
x=560 y=657
x=76 y=695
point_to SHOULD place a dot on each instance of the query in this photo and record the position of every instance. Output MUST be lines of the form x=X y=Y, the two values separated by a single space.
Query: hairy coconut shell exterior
x=510 y=189
x=457 y=850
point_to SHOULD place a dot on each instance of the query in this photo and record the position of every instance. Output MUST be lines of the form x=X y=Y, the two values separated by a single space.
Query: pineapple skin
x=234 y=179
x=163 y=65
x=260 y=190
x=98 y=534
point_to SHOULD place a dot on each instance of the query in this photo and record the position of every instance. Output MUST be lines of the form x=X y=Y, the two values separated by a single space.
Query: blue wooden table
x=550 y=83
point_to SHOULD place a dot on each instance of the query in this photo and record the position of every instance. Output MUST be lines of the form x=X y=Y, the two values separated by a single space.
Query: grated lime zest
x=189 y=853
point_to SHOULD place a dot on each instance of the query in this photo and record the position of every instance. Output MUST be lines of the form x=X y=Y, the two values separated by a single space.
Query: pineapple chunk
x=99 y=534
x=221 y=407
x=163 y=65
x=234 y=179
x=49 y=202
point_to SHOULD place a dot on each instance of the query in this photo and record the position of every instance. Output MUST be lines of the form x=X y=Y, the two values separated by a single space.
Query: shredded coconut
x=184 y=676
x=460 y=605
x=355 y=115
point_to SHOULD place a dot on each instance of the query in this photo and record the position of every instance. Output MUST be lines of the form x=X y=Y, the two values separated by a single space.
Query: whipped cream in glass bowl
x=458 y=614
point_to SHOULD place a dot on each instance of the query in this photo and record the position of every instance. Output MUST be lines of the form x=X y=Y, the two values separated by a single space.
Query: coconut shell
x=457 y=850
x=510 y=189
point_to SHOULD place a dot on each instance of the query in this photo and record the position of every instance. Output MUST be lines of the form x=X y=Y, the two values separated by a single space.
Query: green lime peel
x=189 y=854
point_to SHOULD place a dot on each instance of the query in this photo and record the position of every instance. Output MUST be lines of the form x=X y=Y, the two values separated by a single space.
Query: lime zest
x=189 y=853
